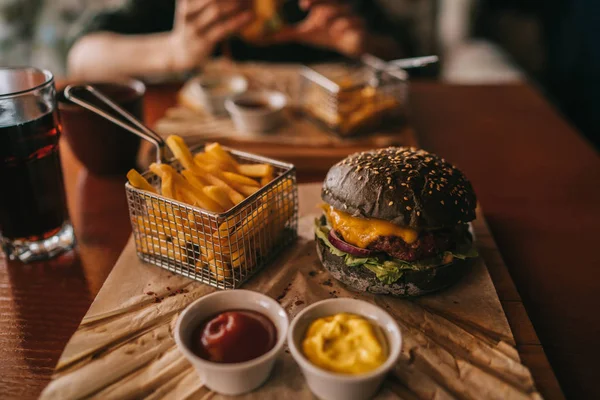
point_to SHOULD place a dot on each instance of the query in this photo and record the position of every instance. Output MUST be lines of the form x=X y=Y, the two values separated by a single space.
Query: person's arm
x=103 y=55
x=131 y=51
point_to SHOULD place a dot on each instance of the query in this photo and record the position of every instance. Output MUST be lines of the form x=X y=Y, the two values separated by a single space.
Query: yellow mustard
x=345 y=343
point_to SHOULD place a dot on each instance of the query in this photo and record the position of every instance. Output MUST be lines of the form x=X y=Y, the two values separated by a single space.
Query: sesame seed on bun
x=403 y=185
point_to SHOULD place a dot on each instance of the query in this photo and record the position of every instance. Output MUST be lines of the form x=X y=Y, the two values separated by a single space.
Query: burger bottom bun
x=412 y=283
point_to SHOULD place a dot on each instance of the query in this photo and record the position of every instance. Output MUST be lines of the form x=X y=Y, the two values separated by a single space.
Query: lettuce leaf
x=322 y=233
x=390 y=271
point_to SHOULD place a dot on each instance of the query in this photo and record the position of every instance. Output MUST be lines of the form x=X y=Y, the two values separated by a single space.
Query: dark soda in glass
x=34 y=222
x=33 y=205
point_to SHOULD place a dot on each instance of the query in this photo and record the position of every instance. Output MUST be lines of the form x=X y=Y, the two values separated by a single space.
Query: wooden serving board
x=456 y=344
x=302 y=142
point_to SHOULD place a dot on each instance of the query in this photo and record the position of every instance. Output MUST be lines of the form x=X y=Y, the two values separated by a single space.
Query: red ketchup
x=234 y=336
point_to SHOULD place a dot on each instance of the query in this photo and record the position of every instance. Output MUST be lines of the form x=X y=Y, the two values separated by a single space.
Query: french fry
x=228 y=225
x=238 y=257
x=241 y=179
x=249 y=226
x=245 y=190
x=210 y=159
x=218 y=152
x=188 y=193
x=212 y=175
x=138 y=181
x=245 y=258
x=167 y=174
x=202 y=224
x=194 y=180
x=280 y=219
x=180 y=151
x=146 y=229
x=285 y=185
x=164 y=212
x=219 y=195
x=153 y=245
x=265 y=180
x=213 y=178
x=188 y=236
x=255 y=170
x=220 y=271
x=199 y=198
x=179 y=234
x=166 y=179
x=166 y=186
x=168 y=234
x=217 y=263
x=183 y=196
x=150 y=228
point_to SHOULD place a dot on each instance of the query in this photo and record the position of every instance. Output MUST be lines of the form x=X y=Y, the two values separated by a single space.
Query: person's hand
x=201 y=24
x=330 y=24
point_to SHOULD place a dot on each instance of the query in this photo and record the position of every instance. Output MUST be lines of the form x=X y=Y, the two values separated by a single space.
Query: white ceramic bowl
x=257 y=120
x=236 y=378
x=212 y=90
x=334 y=386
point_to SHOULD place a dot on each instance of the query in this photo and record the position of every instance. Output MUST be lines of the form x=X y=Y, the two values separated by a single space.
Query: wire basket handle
x=136 y=127
x=397 y=68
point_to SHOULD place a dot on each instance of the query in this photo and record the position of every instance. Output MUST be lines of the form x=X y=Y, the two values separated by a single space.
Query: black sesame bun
x=405 y=186
x=411 y=284
x=410 y=188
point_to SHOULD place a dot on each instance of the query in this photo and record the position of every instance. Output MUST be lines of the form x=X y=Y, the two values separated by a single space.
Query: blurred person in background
x=158 y=37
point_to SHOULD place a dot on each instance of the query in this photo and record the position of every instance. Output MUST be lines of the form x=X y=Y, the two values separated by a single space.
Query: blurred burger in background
x=271 y=17
x=396 y=222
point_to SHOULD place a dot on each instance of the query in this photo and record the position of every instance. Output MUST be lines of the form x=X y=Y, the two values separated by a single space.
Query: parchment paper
x=457 y=344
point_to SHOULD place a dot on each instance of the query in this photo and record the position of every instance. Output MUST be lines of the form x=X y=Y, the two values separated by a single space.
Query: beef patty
x=429 y=244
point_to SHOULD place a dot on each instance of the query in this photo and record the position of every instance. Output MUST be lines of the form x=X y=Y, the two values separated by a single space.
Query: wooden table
x=537 y=180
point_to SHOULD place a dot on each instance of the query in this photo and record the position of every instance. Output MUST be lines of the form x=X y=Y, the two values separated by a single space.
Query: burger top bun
x=405 y=186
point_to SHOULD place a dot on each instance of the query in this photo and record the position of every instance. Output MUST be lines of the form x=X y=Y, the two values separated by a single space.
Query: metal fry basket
x=220 y=249
x=353 y=99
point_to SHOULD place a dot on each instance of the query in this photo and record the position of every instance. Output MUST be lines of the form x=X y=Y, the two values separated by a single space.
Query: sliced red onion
x=339 y=244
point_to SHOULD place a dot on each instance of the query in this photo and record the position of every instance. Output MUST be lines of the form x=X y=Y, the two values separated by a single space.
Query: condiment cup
x=334 y=386
x=235 y=378
x=212 y=90
x=257 y=120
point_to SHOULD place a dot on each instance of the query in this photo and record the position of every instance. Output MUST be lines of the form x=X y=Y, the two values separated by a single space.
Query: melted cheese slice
x=360 y=232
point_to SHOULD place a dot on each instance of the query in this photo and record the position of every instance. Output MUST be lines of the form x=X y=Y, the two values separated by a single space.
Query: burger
x=395 y=222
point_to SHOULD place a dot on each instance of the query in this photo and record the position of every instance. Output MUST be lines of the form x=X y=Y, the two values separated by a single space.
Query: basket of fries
x=215 y=215
x=351 y=100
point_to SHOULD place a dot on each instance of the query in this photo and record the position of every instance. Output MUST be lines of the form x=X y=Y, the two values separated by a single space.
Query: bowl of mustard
x=344 y=347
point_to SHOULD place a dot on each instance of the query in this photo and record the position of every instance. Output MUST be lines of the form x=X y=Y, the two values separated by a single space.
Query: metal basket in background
x=355 y=99
x=220 y=249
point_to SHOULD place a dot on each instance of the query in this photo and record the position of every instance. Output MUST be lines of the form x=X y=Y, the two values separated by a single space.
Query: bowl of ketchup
x=232 y=338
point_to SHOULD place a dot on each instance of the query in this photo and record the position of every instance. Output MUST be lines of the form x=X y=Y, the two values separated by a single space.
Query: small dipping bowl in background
x=213 y=89
x=335 y=386
x=257 y=111
x=103 y=147
x=232 y=378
